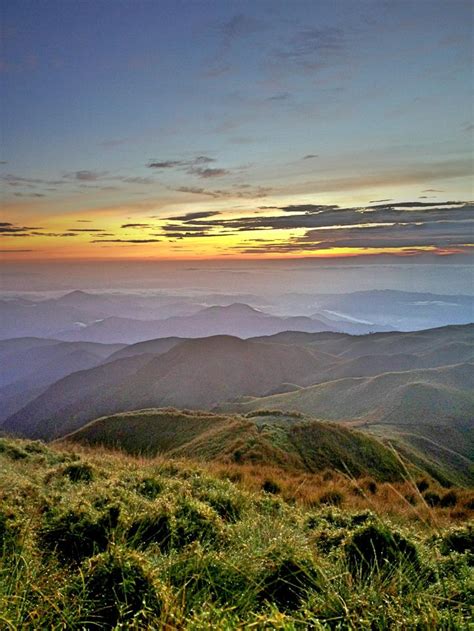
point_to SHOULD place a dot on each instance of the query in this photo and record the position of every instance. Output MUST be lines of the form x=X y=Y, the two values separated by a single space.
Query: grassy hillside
x=100 y=540
x=404 y=397
x=394 y=343
x=435 y=403
x=386 y=383
x=307 y=446
x=194 y=374
x=150 y=347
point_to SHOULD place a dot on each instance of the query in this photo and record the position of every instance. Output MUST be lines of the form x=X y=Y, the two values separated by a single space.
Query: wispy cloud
x=87 y=230
x=193 y=216
x=85 y=175
x=207 y=173
x=9 y=229
x=165 y=164
x=242 y=191
x=197 y=166
x=136 y=225
x=309 y=50
x=125 y=240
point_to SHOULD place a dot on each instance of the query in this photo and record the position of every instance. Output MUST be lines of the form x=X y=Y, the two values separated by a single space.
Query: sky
x=203 y=129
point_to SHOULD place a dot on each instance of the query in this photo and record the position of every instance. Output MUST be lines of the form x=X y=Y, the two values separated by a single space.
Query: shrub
x=329 y=538
x=9 y=530
x=422 y=485
x=469 y=504
x=376 y=548
x=195 y=521
x=372 y=487
x=227 y=505
x=459 y=540
x=411 y=498
x=15 y=452
x=269 y=486
x=149 y=488
x=35 y=447
x=79 y=472
x=432 y=499
x=154 y=526
x=449 y=499
x=332 y=498
x=77 y=533
x=208 y=576
x=288 y=581
x=116 y=587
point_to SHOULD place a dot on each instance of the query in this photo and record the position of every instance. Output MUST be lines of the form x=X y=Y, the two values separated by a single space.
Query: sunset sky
x=199 y=129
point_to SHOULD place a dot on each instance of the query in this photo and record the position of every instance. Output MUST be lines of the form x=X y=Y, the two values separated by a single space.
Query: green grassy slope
x=104 y=541
x=440 y=396
x=195 y=374
x=348 y=346
x=308 y=446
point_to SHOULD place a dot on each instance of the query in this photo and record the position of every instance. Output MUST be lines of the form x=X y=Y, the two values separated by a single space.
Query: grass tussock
x=100 y=540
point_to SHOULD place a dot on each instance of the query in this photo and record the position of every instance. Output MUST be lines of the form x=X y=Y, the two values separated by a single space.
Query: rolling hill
x=415 y=386
x=196 y=373
x=30 y=365
x=308 y=446
x=430 y=410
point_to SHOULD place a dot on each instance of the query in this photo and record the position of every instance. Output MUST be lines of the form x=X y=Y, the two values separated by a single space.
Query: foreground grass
x=94 y=540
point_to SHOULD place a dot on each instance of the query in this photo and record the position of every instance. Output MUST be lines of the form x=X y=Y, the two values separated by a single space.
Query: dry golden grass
x=400 y=501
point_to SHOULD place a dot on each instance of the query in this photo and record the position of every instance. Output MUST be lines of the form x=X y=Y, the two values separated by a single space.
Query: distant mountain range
x=129 y=318
x=415 y=388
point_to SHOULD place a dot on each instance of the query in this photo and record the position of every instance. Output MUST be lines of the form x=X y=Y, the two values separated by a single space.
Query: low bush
x=449 y=499
x=11 y=450
x=287 y=581
x=156 y=525
x=117 y=587
x=195 y=521
x=154 y=544
x=149 y=488
x=458 y=540
x=208 y=576
x=79 y=472
x=269 y=486
x=332 y=498
x=78 y=532
x=375 y=548
x=229 y=506
x=432 y=499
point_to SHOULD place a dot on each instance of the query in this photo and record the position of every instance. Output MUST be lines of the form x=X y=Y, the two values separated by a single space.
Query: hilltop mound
x=304 y=445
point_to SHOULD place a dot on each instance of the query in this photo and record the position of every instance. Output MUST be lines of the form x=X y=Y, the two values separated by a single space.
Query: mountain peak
x=237 y=308
x=76 y=294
